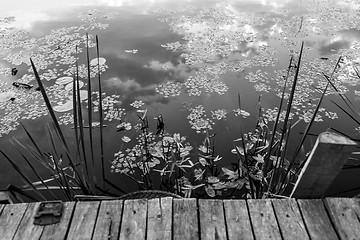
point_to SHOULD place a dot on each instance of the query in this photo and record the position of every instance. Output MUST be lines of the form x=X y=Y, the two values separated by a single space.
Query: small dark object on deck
x=14 y=71
x=22 y=85
x=49 y=213
x=37 y=89
x=324 y=58
x=12 y=99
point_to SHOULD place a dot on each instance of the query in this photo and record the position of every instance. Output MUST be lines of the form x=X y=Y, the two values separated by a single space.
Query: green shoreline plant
x=168 y=162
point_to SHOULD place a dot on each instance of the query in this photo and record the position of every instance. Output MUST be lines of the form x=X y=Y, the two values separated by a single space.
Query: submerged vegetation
x=216 y=44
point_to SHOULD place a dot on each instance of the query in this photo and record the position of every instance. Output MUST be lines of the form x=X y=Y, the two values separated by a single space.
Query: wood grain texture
x=133 y=224
x=59 y=230
x=237 y=220
x=1 y=208
x=289 y=219
x=316 y=219
x=263 y=219
x=345 y=215
x=27 y=229
x=83 y=221
x=185 y=219
x=159 y=218
x=10 y=219
x=325 y=162
x=212 y=219
x=108 y=220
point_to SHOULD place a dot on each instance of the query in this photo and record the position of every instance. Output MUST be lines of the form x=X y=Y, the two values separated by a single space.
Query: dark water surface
x=185 y=60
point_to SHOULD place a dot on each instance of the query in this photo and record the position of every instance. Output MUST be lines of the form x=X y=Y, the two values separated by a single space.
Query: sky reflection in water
x=185 y=60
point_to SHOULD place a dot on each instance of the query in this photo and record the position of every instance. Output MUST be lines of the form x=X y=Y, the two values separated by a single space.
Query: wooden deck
x=167 y=218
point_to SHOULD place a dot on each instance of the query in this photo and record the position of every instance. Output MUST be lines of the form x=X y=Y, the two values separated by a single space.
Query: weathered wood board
x=10 y=218
x=133 y=224
x=263 y=219
x=345 y=215
x=108 y=220
x=83 y=221
x=185 y=218
x=237 y=220
x=59 y=230
x=159 y=218
x=316 y=219
x=212 y=219
x=289 y=219
x=330 y=153
x=182 y=219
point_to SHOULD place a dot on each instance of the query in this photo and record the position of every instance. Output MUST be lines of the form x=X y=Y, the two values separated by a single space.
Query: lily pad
x=70 y=86
x=4 y=96
x=94 y=61
x=64 y=107
x=63 y=80
x=83 y=95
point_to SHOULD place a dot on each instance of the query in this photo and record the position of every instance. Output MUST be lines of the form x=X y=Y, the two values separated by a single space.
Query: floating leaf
x=212 y=179
x=259 y=158
x=64 y=80
x=64 y=107
x=231 y=174
x=94 y=61
x=202 y=161
x=210 y=191
x=126 y=139
x=239 y=149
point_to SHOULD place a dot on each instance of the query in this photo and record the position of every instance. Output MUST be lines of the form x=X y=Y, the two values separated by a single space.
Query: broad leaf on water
x=210 y=191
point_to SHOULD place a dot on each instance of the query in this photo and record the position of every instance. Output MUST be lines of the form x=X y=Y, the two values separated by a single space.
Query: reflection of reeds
x=267 y=170
x=262 y=162
x=82 y=176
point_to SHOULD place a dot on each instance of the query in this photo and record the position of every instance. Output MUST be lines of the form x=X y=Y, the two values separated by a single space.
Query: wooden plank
x=133 y=224
x=316 y=219
x=345 y=215
x=108 y=220
x=212 y=219
x=263 y=219
x=159 y=218
x=289 y=219
x=59 y=230
x=330 y=153
x=10 y=219
x=83 y=221
x=237 y=220
x=4 y=197
x=185 y=219
x=27 y=229
x=1 y=208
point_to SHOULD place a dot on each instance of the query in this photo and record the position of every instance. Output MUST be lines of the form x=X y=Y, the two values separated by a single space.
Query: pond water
x=186 y=61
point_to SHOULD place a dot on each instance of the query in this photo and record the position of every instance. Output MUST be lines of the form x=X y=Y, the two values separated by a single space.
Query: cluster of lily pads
x=55 y=55
x=215 y=41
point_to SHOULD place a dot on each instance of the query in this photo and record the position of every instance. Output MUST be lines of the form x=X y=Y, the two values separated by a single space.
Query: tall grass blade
x=346 y=112
x=267 y=157
x=81 y=125
x=48 y=104
x=75 y=117
x=22 y=174
x=58 y=170
x=308 y=126
x=246 y=156
x=90 y=109
x=100 y=113
x=37 y=175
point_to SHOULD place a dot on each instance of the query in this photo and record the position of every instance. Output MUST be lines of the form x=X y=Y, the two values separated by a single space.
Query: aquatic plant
x=72 y=173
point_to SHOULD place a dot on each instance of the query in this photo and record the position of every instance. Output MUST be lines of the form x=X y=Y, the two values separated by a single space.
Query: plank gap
x=277 y=221
x=251 y=224
x=70 y=221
